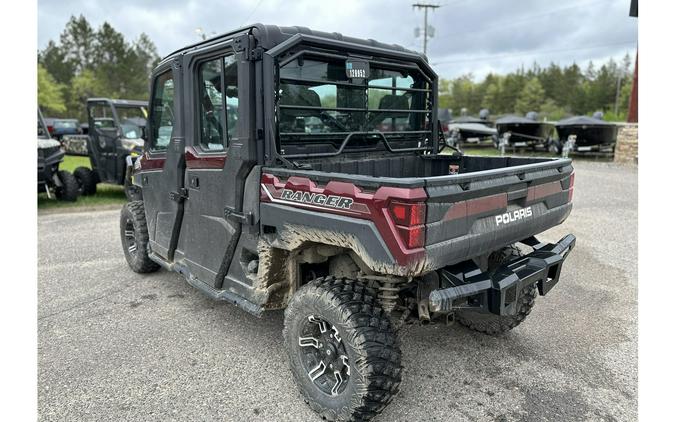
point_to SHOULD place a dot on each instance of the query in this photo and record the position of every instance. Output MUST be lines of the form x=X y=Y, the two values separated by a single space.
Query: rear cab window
x=318 y=105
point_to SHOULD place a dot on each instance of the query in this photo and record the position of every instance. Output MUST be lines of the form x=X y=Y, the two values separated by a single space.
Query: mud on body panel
x=348 y=206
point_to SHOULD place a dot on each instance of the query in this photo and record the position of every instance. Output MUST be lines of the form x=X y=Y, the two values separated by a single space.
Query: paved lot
x=114 y=345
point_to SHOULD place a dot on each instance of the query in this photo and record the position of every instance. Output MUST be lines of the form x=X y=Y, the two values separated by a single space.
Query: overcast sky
x=475 y=36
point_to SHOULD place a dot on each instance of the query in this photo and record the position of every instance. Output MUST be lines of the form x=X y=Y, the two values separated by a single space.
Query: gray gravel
x=115 y=345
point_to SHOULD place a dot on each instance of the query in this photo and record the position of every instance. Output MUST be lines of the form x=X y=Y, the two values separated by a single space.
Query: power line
x=252 y=12
x=529 y=53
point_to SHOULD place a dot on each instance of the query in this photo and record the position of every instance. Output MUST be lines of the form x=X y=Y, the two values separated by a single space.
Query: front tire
x=69 y=189
x=86 y=180
x=498 y=324
x=135 y=238
x=342 y=349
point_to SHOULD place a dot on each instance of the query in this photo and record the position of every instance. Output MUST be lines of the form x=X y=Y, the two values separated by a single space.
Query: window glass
x=162 y=112
x=390 y=78
x=231 y=97
x=219 y=103
x=316 y=97
x=65 y=124
x=314 y=69
x=211 y=111
x=103 y=116
x=132 y=121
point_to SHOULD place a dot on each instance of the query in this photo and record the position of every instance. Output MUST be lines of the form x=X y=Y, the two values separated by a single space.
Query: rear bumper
x=497 y=293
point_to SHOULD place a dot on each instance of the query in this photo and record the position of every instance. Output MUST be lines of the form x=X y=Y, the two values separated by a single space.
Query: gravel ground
x=114 y=345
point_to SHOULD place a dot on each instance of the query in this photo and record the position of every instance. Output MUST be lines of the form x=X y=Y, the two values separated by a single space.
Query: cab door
x=162 y=166
x=103 y=139
x=218 y=159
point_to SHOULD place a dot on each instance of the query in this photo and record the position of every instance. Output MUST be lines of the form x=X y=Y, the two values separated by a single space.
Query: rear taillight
x=50 y=129
x=570 y=192
x=409 y=219
x=445 y=127
x=405 y=214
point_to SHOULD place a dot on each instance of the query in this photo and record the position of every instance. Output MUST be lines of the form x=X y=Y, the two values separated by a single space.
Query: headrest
x=298 y=95
x=394 y=102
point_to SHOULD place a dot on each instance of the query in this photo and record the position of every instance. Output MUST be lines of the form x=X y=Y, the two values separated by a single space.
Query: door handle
x=179 y=196
x=239 y=217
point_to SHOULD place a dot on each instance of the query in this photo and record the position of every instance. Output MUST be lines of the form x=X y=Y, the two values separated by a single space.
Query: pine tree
x=532 y=97
x=98 y=62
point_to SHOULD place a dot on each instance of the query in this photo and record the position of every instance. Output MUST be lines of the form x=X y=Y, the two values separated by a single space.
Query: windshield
x=319 y=107
x=132 y=121
x=66 y=124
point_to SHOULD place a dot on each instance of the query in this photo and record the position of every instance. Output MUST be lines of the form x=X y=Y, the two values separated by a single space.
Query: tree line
x=88 y=62
x=554 y=91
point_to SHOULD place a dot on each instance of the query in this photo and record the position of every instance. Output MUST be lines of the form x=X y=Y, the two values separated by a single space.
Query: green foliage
x=90 y=62
x=83 y=86
x=549 y=110
x=50 y=92
x=554 y=91
x=531 y=98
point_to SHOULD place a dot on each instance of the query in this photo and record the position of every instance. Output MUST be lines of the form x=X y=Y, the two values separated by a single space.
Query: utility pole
x=618 y=93
x=426 y=8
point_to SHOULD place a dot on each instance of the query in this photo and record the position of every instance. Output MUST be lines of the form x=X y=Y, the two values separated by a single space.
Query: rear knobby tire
x=135 y=239
x=367 y=339
x=499 y=324
x=85 y=180
x=69 y=189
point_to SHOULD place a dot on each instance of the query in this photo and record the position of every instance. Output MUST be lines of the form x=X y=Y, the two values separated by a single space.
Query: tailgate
x=473 y=214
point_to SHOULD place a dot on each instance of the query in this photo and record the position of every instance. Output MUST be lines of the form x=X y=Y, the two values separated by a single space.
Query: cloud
x=471 y=36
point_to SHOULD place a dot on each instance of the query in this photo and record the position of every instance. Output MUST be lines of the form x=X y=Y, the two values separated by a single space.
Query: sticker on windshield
x=357 y=69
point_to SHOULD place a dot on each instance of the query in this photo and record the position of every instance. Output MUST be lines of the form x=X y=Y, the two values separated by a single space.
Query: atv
x=50 y=178
x=116 y=133
x=293 y=169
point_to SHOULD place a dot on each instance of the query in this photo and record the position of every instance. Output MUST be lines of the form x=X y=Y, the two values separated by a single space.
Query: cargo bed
x=488 y=203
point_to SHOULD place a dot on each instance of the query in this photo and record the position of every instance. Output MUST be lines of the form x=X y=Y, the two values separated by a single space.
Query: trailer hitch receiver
x=497 y=292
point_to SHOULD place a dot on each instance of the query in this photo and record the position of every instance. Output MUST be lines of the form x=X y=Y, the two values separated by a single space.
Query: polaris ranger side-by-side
x=290 y=168
x=116 y=136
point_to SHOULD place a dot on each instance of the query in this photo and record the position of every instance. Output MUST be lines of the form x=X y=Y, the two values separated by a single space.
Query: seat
x=390 y=102
x=296 y=95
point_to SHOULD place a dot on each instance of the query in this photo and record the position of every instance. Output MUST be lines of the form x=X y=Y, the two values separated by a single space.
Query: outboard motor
x=484 y=114
x=532 y=115
x=599 y=115
x=444 y=114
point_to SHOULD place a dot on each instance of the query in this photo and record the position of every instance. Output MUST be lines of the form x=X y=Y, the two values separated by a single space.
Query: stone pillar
x=626 y=151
